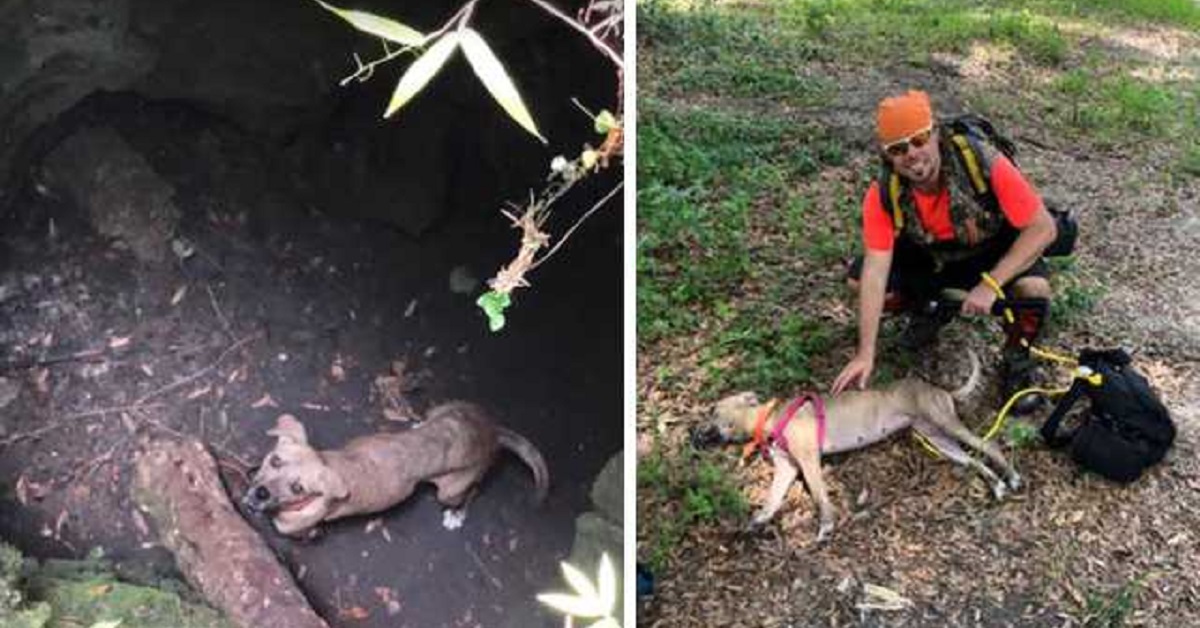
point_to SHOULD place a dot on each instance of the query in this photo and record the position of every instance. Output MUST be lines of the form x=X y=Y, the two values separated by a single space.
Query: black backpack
x=1125 y=431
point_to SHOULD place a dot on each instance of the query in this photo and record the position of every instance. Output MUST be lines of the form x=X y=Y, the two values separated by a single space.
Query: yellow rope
x=1003 y=414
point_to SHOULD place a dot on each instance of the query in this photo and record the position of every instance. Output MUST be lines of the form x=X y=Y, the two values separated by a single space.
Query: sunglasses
x=899 y=148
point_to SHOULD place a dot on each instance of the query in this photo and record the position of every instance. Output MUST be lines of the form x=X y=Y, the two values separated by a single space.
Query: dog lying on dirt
x=452 y=448
x=855 y=419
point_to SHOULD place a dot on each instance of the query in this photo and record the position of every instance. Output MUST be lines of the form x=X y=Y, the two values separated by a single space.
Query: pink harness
x=777 y=435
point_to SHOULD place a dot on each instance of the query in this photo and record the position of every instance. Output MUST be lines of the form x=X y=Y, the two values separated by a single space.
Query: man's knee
x=1031 y=288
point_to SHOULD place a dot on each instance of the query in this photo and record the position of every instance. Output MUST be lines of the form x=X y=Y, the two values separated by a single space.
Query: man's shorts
x=913 y=274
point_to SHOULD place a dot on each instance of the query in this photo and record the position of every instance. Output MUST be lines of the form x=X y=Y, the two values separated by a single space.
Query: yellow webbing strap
x=894 y=196
x=978 y=180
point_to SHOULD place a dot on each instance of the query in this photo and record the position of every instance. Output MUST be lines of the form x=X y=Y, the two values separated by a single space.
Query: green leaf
x=421 y=72
x=493 y=304
x=491 y=72
x=573 y=605
x=390 y=30
x=606 y=122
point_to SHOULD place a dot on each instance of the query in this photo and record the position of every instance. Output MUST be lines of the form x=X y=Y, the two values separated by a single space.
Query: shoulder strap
x=1050 y=428
x=890 y=189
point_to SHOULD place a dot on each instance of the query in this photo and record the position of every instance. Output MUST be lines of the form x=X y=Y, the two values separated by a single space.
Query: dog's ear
x=332 y=484
x=288 y=428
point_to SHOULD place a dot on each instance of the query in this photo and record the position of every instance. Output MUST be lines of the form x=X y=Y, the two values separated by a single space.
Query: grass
x=1112 y=609
x=698 y=486
x=701 y=172
x=1074 y=297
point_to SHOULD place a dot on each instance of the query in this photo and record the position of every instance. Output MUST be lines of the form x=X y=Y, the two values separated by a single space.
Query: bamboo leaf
x=608 y=584
x=494 y=77
x=421 y=72
x=572 y=605
x=579 y=582
x=388 y=29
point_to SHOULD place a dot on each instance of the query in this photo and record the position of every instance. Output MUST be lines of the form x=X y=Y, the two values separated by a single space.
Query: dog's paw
x=1015 y=482
x=1000 y=490
x=453 y=518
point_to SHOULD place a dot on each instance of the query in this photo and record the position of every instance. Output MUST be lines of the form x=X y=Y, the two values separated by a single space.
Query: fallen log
x=177 y=485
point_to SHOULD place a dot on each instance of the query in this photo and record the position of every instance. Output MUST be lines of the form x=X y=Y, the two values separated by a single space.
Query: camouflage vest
x=974 y=211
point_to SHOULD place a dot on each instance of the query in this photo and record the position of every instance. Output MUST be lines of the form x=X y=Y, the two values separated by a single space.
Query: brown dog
x=854 y=420
x=452 y=448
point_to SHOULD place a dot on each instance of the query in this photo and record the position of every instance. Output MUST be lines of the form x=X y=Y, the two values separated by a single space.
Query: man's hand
x=979 y=300
x=858 y=371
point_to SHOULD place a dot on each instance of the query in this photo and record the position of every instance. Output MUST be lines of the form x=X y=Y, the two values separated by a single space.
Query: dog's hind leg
x=942 y=415
x=949 y=447
x=454 y=491
x=988 y=448
x=785 y=473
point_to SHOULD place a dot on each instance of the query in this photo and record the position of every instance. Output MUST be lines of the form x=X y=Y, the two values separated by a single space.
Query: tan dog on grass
x=855 y=419
x=452 y=448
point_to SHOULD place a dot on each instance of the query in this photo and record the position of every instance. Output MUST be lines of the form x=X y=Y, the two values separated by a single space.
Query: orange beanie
x=899 y=117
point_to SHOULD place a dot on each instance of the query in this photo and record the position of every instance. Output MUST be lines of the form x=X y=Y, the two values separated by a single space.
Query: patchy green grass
x=1074 y=297
x=765 y=348
x=700 y=173
x=700 y=488
x=1112 y=609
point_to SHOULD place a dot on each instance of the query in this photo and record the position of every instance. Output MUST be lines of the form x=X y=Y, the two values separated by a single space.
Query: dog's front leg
x=785 y=473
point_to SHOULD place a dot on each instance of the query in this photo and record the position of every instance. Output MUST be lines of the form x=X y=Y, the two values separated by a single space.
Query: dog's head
x=731 y=421
x=294 y=484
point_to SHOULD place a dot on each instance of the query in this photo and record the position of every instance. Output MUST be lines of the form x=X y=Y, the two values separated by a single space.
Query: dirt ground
x=281 y=308
x=1069 y=550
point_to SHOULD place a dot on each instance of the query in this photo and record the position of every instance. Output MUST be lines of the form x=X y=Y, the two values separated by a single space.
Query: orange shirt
x=1018 y=200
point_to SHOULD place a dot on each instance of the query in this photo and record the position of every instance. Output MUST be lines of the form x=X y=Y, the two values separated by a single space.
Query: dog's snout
x=257 y=498
x=704 y=436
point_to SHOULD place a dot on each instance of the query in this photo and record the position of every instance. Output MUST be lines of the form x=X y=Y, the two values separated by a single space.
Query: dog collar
x=760 y=423
x=777 y=435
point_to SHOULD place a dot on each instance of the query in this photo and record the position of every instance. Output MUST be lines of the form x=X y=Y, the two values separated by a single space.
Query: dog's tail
x=966 y=389
x=529 y=454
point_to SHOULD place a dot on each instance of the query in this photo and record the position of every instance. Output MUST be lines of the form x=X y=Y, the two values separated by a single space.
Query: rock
x=118 y=189
x=594 y=536
x=608 y=491
x=53 y=53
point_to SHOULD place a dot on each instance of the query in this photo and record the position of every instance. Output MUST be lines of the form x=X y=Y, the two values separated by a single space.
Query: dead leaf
x=265 y=402
x=393 y=414
x=199 y=392
x=119 y=341
x=180 y=292
x=355 y=612
x=100 y=589
x=60 y=523
x=373 y=525
x=336 y=370
x=140 y=523
x=23 y=490
x=147 y=370
x=308 y=405
x=41 y=381
x=387 y=536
